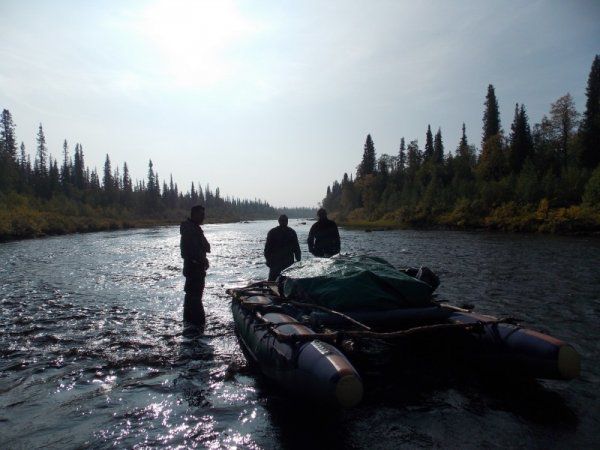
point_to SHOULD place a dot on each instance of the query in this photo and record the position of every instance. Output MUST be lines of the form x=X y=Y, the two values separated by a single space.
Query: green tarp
x=347 y=283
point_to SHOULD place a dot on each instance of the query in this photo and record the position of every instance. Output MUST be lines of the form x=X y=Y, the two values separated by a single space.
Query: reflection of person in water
x=281 y=248
x=194 y=248
x=324 y=237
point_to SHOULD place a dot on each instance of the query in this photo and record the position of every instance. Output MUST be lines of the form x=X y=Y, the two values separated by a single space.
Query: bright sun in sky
x=194 y=39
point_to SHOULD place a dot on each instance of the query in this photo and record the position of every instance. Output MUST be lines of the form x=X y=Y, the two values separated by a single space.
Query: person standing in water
x=281 y=248
x=324 y=237
x=194 y=248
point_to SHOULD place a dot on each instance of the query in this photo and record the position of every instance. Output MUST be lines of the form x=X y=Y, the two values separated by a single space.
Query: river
x=93 y=352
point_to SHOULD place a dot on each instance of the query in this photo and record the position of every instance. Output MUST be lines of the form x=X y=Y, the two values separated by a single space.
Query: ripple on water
x=93 y=351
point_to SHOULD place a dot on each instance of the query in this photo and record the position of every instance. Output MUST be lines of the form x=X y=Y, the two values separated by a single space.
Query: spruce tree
x=22 y=157
x=79 y=174
x=53 y=177
x=127 y=186
x=42 y=153
x=107 y=179
x=520 y=140
x=590 y=126
x=65 y=173
x=463 y=146
x=491 y=116
x=438 y=148
x=8 y=140
x=402 y=156
x=428 y=152
x=8 y=152
x=151 y=181
x=367 y=165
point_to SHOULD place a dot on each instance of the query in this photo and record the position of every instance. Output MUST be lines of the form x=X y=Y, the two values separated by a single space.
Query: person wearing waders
x=281 y=248
x=324 y=237
x=194 y=248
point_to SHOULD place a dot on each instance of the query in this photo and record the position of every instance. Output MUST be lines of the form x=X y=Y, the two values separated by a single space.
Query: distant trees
x=590 y=126
x=79 y=190
x=547 y=165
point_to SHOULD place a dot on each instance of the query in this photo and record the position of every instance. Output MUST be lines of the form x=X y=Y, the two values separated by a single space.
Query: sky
x=273 y=100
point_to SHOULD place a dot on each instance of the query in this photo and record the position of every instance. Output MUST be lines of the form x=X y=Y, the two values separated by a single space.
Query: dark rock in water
x=368 y=230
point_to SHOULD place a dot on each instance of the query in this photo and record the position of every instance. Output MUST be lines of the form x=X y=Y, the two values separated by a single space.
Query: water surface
x=93 y=351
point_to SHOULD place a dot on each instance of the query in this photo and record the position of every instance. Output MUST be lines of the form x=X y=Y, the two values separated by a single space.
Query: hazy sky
x=274 y=99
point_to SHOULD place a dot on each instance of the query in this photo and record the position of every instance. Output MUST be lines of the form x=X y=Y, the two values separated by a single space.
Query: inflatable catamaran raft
x=324 y=320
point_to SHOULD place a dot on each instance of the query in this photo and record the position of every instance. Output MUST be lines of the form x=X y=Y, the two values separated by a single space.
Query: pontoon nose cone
x=569 y=362
x=349 y=391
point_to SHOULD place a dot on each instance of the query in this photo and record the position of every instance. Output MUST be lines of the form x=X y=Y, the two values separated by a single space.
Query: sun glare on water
x=195 y=39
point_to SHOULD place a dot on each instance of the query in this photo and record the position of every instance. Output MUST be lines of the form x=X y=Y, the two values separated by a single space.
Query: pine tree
x=65 y=173
x=23 y=157
x=94 y=180
x=42 y=154
x=8 y=152
x=117 y=181
x=402 y=156
x=463 y=146
x=491 y=116
x=8 y=140
x=520 y=140
x=53 y=177
x=428 y=152
x=367 y=165
x=590 y=127
x=127 y=186
x=438 y=148
x=79 y=172
x=107 y=179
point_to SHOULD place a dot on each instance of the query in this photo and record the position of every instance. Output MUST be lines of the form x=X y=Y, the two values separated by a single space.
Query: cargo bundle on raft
x=326 y=320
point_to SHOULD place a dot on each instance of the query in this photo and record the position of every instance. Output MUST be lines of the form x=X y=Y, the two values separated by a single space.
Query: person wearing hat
x=281 y=248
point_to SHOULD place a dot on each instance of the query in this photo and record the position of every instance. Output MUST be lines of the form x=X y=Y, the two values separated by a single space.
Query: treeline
x=52 y=196
x=540 y=178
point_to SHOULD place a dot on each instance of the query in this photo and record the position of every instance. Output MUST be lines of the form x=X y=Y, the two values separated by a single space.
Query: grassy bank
x=572 y=220
x=23 y=217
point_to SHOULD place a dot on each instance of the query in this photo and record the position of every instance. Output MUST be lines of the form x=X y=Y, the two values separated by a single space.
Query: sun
x=194 y=39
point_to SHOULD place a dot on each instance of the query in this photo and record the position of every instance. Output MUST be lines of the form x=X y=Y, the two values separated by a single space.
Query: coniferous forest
x=544 y=177
x=52 y=195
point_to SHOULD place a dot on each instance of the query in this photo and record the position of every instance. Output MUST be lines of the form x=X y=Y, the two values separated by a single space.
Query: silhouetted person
x=324 y=237
x=194 y=248
x=281 y=248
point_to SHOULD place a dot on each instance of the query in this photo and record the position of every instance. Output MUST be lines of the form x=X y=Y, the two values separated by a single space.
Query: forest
x=543 y=178
x=51 y=196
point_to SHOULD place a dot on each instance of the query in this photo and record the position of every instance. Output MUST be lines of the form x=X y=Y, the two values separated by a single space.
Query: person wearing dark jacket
x=194 y=248
x=324 y=237
x=281 y=248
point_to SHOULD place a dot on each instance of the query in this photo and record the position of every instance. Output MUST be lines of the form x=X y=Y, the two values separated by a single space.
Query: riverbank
x=510 y=217
x=26 y=223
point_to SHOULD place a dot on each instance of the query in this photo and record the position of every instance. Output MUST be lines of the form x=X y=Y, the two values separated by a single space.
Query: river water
x=93 y=352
